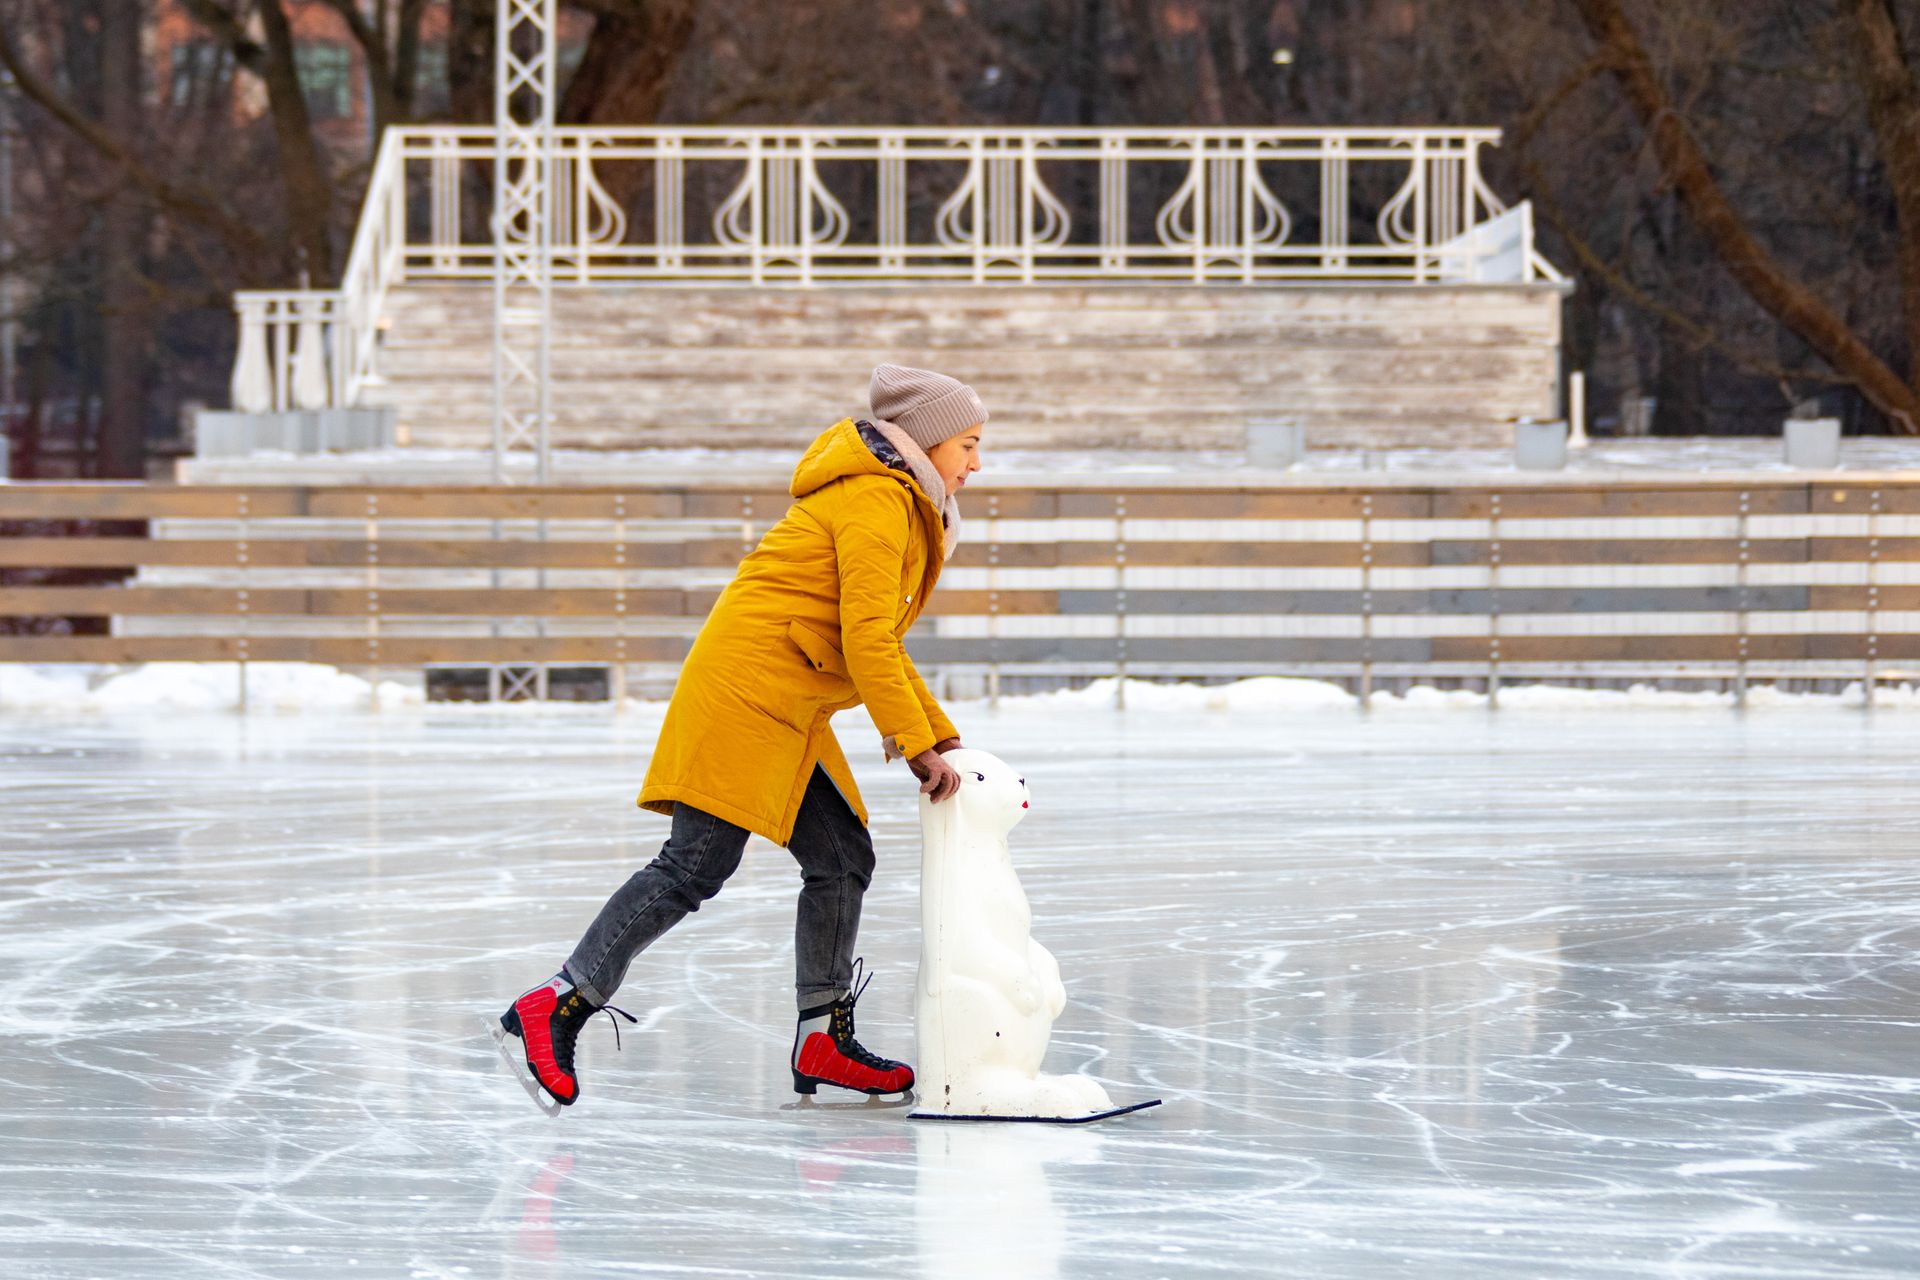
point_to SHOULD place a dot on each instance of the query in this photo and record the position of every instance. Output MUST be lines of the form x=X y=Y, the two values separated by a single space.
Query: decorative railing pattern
x=1731 y=580
x=815 y=207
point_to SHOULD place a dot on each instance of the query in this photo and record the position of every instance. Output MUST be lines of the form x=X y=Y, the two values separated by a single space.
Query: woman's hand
x=947 y=744
x=938 y=780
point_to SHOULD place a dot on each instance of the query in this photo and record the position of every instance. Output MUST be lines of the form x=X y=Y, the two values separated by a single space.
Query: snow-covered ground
x=1553 y=992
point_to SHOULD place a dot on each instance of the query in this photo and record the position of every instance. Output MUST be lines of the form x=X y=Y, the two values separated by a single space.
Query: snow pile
x=1259 y=693
x=41 y=688
x=305 y=686
x=1290 y=694
x=193 y=687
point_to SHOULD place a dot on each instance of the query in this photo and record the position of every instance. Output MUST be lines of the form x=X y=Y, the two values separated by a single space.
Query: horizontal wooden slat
x=387 y=553
x=40 y=501
x=1617 y=551
x=145 y=601
x=1230 y=504
x=952 y=603
x=1840 y=497
x=530 y=504
x=1861 y=550
x=334 y=602
x=342 y=651
x=495 y=602
x=1673 y=648
x=1904 y=597
x=1617 y=501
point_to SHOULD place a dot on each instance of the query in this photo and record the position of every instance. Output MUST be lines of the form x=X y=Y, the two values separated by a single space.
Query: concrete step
x=1082 y=367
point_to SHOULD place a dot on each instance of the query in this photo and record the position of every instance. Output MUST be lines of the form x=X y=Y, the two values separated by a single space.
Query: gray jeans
x=836 y=864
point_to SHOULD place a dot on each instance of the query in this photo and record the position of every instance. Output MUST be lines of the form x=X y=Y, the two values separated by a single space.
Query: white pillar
x=251 y=389
x=310 y=390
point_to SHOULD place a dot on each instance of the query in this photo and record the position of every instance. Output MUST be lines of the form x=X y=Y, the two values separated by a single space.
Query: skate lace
x=843 y=1021
x=569 y=1030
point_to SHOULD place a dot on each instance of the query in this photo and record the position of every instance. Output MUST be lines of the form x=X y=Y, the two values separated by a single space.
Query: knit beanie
x=930 y=407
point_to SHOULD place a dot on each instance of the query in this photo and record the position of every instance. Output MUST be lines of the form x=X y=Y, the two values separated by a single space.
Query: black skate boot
x=825 y=1052
x=547 y=1021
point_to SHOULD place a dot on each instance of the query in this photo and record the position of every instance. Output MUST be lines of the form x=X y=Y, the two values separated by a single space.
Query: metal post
x=1873 y=599
x=524 y=88
x=1120 y=600
x=617 y=678
x=1740 y=603
x=1493 y=602
x=993 y=600
x=372 y=532
x=1366 y=601
x=241 y=603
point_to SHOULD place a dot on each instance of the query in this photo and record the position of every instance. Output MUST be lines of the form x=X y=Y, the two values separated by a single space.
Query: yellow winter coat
x=810 y=625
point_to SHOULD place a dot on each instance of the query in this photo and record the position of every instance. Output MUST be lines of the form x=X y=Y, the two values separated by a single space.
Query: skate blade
x=1098 y=1115
x=516 y=1064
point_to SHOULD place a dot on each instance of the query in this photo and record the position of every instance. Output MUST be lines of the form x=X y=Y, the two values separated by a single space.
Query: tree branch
x=1685 y=169
x=190 y=204
x=380 y=70
x=1617 y=280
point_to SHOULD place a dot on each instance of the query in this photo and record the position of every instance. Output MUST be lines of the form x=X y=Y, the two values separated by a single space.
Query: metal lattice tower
x=524 y=84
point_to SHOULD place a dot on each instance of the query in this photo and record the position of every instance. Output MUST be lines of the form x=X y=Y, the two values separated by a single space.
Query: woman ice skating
x=811 y=624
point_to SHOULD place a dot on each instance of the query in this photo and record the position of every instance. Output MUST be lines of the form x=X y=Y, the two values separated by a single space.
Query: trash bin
x=1275 y=442
x=1540 y=446
x=1813 y=444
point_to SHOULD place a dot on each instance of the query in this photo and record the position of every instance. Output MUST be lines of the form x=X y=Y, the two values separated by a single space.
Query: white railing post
x=1199 y=181
x=1249 y=180
x=803 y=203
x=310 y=390
x=251 y=388
x=1113 y=205
x=1420 y=209
x=979 y=178
x=892 y=222
x=280 y=343
x=1029 y=179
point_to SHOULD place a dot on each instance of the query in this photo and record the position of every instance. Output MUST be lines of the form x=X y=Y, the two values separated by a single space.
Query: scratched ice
x=1429 y=992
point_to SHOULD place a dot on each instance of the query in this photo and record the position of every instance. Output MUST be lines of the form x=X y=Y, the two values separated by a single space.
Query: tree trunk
x=303 y=170
x=123 y=418
x=623 y=78
x=1893 y=109
x=470 y=39
x=1685 y=167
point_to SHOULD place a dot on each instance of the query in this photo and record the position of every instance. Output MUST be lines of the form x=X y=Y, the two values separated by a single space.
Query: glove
x=938 y=779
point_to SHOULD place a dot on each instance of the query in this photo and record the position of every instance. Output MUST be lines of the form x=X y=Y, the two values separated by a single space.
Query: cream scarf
x=920 y=467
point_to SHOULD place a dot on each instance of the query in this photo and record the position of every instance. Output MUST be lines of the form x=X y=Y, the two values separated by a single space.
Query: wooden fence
x=1539 y=578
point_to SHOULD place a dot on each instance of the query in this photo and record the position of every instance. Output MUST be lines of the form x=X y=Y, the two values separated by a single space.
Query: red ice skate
x=825 y=1052
x=547 y=1021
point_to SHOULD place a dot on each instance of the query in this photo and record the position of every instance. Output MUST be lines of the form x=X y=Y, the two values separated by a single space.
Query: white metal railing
x=315 y=349
x=817 y=207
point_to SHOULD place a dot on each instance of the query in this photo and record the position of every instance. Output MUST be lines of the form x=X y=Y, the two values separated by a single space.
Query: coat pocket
x=821 y=656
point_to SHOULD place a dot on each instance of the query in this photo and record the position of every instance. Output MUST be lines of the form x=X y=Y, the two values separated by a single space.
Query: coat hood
x=842 y=450
x=839 y=452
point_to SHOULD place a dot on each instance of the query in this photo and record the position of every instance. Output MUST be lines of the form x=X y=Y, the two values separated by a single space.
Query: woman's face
x=957 y=458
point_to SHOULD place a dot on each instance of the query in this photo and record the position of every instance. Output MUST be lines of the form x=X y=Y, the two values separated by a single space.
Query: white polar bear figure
x=988 y=993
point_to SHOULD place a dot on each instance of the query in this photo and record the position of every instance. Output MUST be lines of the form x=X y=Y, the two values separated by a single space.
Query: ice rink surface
x=1429 y=993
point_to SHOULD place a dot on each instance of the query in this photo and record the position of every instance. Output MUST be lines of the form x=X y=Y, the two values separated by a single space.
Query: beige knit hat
x=928 y=406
